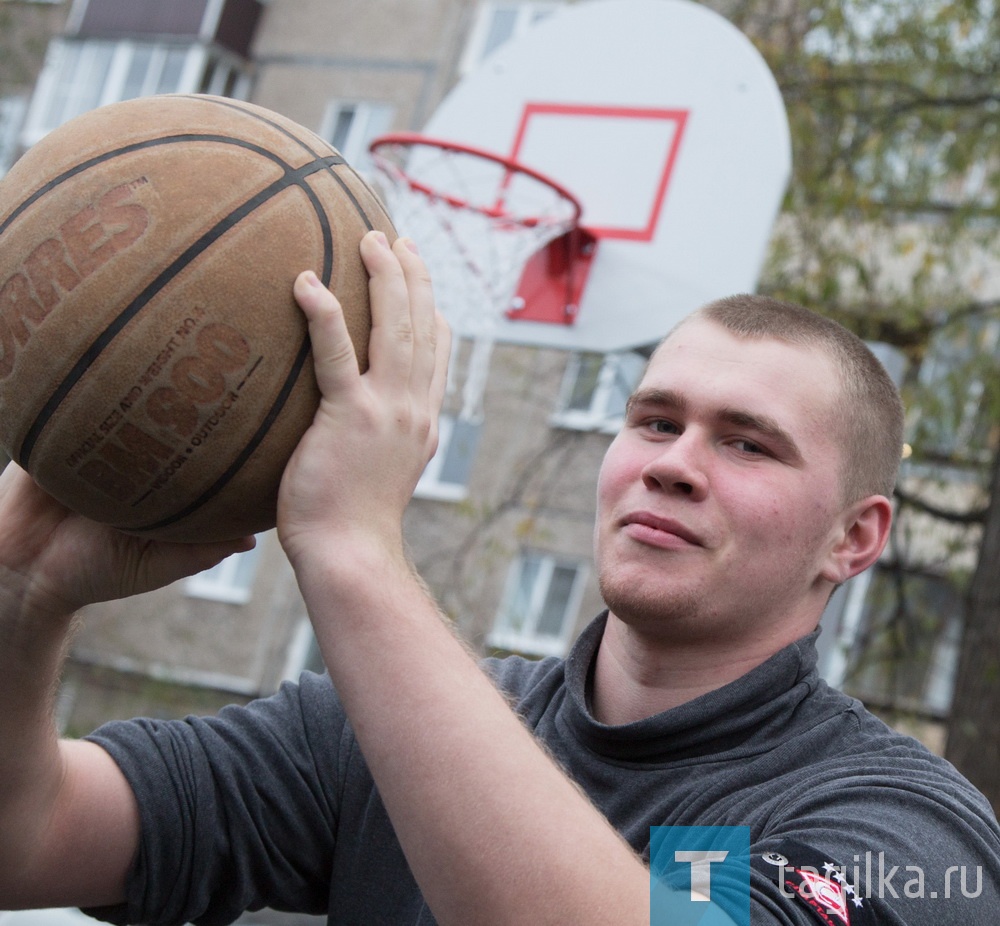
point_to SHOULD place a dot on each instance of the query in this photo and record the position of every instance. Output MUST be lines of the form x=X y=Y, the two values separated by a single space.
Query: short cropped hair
x=871 y=419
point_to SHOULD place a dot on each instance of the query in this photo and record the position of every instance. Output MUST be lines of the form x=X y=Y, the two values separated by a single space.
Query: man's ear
x=863 y=534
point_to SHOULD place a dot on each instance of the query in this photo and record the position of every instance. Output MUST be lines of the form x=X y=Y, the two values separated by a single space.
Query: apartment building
x=501 y=527
x=501 y=523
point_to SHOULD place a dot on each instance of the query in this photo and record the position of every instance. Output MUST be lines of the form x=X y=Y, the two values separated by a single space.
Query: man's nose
x=680 y=466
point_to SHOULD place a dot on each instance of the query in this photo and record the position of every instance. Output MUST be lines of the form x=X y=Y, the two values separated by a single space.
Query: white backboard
x=665 y=122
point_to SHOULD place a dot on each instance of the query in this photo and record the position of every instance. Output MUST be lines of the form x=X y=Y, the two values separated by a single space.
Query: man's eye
x=748 y=446
x=662 y=426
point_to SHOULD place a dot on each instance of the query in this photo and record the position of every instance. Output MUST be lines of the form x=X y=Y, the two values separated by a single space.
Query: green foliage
x=892 y=218
x=892 y=226
x=894 y=105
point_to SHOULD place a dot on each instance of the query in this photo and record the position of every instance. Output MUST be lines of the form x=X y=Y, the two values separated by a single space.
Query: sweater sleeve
x=893 y=837
x=238 y=811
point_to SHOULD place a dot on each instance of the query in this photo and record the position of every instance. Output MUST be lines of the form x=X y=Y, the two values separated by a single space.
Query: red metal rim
x=414 y=139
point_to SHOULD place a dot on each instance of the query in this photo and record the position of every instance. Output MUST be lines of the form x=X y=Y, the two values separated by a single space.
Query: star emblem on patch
x=807 y=878
x=830 y=895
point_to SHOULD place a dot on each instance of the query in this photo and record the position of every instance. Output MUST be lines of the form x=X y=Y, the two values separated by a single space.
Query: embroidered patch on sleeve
x=807 y=878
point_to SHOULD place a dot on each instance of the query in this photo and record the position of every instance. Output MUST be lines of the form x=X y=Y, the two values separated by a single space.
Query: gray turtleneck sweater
x=272 y=804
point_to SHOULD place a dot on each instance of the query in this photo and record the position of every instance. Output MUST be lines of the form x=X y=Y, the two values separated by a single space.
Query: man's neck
x=636 y=676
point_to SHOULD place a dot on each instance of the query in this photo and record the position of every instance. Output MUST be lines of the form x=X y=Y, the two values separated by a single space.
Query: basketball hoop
x=477 y=218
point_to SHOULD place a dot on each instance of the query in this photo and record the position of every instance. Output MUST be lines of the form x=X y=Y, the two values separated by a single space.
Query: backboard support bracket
x=554 y=277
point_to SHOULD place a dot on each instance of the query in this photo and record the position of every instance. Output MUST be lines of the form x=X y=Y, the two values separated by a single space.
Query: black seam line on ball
x=235 y=106
x=310 y=150
x=350 y=195
x=279 y=403
x=244 y=110
x=292 y=177
x=84 y=166
x=244 y=454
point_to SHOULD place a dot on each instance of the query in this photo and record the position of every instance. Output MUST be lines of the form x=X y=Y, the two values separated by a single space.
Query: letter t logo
x=699 y=876
x=701 y=870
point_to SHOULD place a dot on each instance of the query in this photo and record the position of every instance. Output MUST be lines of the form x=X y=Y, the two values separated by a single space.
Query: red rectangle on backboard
x=617 y=160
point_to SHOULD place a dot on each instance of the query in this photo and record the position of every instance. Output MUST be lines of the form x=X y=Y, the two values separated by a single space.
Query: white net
x=476 y=219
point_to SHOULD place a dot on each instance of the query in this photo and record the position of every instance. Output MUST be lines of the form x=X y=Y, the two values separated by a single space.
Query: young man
x=751 y=477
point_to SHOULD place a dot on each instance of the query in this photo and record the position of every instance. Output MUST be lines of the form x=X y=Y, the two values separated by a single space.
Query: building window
x=497 y=23
x=12 y=110
x=958 y=392
x=350 y=126
x=905 y=653
x=81 y=75
x=225 y=76
x=540 y=605
x=446 y=476
x=230 y=581
x=596 y=388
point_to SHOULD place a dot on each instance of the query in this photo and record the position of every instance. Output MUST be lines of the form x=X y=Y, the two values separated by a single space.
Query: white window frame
x=431 y=486
x=230 y=581
x=92 y=72
x=518 y=632
x=224 y=75
x=368 y=119
x=525 y=14
x=604 y=412
x=303 y=652
x=841 y=622
x=12 y=113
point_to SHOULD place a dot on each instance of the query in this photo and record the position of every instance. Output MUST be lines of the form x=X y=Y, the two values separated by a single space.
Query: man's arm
x=493 y=831
x=68 y=820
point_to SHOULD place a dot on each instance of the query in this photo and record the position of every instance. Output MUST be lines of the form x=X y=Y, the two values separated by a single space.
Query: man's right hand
x=70 y=824
x=54 y=561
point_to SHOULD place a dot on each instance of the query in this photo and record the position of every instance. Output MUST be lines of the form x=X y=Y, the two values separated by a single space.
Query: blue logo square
x=699 y=876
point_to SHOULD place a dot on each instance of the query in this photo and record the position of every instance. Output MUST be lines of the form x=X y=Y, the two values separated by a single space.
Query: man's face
x=719 y=499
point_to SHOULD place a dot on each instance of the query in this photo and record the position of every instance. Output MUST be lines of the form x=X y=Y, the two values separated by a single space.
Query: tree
x=891 y=226
x=25 y=30
x=974 y=735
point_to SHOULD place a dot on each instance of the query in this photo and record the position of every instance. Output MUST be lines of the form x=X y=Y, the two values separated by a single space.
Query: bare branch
x=975 y=516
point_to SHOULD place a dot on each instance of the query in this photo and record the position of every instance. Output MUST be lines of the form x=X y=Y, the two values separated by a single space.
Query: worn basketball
x=155 y=371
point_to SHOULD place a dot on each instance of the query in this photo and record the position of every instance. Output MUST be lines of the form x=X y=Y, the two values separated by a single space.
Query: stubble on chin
x=652 y=609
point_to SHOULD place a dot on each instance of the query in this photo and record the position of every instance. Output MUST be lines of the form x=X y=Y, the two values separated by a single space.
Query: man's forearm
x=32 y=648
x=493 y=830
